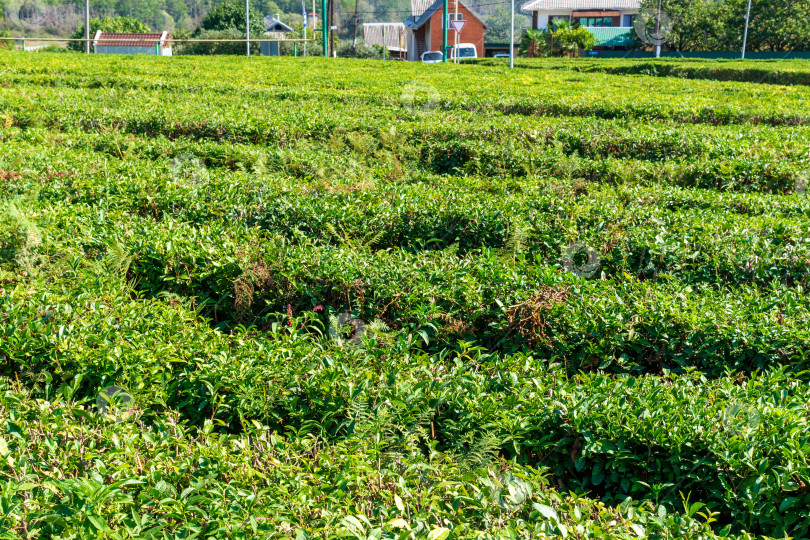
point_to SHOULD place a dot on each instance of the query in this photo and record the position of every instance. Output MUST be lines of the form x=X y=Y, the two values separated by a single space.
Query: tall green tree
x=227 y=21
x=500 y=22
x=535 y=43
x=570 y=38
x=178 y=9
x=777 y=25
x=230 y=15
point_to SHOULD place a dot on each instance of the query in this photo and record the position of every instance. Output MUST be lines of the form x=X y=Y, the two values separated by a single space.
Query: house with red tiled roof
x=155 y=43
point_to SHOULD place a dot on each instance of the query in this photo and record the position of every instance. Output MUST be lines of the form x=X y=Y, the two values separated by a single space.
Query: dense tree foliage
x=227 y=21
x=61 y=17
x=499 y=23
x=707 y=25
x=697 y=25
x=535 y=43
x=231 y=14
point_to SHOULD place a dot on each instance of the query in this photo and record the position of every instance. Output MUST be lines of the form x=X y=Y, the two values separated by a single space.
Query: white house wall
x=102 y=49
x=544 y=16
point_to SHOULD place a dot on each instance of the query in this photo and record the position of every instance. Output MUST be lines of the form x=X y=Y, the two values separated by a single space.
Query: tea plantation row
x=781 y=70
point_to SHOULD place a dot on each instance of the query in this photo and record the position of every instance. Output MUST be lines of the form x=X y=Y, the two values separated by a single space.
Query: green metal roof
x=611 y=36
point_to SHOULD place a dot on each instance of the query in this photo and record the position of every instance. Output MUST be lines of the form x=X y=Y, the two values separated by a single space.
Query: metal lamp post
x=512 y=37
x=658 y=31
x=304 y=13
x=444 y=30
x=325 y=28
x=87 y=26
x=745 y=34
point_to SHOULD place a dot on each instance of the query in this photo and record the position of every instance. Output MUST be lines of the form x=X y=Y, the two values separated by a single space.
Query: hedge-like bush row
x=778 y=71
x=737 y=444
x=165 y=479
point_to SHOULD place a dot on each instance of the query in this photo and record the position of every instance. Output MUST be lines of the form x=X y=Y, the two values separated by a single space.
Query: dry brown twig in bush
x=527 y=317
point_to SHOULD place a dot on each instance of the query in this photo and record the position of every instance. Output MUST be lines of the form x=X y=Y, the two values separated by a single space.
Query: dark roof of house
x=417 y=20
x=122 y=39
x=275 y=25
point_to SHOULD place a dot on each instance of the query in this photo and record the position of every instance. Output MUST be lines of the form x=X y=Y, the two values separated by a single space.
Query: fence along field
x=322 y=298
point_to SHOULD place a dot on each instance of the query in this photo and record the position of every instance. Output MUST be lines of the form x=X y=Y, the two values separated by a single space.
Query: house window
x=455 y=16
x=597 y=22
x=627 y=20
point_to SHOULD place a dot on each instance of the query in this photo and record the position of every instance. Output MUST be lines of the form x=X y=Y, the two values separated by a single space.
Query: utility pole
x=247 y=24
x=658 y=31
x=304 y=13
x=331 y=26
x=745 y=35
x=444 y=31
x=456 y=33
x=512 y=37
x=325 y=23
x=87 y=26
x=354 y=44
